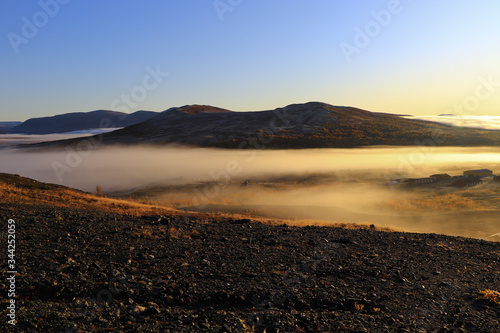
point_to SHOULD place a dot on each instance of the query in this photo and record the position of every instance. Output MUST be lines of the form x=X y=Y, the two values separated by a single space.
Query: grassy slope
x=24 y=191
x=20 y=190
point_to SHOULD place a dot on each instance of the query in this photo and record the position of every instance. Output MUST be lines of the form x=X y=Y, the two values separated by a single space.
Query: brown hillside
x=309 y=125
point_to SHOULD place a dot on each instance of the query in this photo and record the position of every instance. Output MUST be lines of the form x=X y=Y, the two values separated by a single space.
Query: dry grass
x=490 y=296
x=176 y=233
x=68 y=198
x=246 y=328
x=186 y=199
x=297 y=222
x=447 y=202
x=175 y=201
x=358 y=307
x=150 y=232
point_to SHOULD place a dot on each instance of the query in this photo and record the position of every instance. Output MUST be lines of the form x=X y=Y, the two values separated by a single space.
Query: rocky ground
x=86 y=271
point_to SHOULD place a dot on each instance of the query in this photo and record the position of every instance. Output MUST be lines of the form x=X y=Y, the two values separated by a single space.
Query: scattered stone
x=237 y=275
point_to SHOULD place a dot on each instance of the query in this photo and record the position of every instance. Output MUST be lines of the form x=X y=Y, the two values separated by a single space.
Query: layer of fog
x=93 y=131
x=484 y=122
x=14 y=139
x=354 y=180
x=121 y=168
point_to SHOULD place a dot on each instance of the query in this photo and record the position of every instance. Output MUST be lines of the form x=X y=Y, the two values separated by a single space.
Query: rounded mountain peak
x=194 y=109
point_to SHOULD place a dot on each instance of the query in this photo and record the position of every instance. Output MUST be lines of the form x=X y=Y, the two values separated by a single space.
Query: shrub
x=490 y=296
x=98 y=190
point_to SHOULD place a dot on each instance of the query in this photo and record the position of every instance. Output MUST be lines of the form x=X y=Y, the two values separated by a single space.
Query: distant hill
x=78 y=121
x=309 y=125
x=7 y=126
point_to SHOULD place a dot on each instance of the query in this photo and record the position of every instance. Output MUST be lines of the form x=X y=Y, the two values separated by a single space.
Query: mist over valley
x=338 y=185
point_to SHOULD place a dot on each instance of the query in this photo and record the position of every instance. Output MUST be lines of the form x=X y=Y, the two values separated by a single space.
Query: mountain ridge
x=7 y=126
x=78 y=121
x=295 y=126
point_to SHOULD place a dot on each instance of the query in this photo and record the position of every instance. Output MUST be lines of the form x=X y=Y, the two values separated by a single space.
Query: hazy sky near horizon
x=417 y=57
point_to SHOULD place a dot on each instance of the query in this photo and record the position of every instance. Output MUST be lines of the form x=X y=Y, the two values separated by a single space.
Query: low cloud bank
x=93 y=131
x=352 y=187
x=14 y=139
x=127 y=167
x=484 y=122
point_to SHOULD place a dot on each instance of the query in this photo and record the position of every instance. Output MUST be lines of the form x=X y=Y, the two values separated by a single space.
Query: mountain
x=309 y=125
x=78 y=121
x=7 y=126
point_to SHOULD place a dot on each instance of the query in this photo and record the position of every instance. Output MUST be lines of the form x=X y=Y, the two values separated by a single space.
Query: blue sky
x=418 y=57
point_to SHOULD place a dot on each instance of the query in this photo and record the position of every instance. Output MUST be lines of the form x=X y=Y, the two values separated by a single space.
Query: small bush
x=98 y=190
x=358 y=307
x=490 y=296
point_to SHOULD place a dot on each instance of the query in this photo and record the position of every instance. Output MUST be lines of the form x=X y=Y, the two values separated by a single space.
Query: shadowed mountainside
x=7 y=126
x=309 y=125
x=78 y=121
